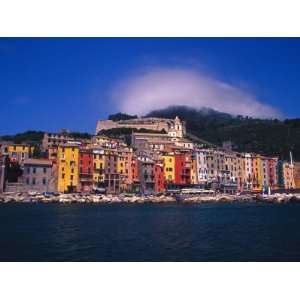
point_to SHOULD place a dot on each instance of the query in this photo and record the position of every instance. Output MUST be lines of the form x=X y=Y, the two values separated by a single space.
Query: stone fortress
x=173 y=127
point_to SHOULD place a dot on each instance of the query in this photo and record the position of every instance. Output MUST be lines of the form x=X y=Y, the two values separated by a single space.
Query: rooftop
x=37 y=161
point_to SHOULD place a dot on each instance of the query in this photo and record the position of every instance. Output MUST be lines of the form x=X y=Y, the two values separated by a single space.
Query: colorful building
x=288 y=175
x=2 y=172
x=272 y=174
x=256 y=173
x=183 y=166
x=135 y=187
x=38 y=175
x=194 y=173
x=85 y=170
x=146 y=175
x=125 y=155
x=19 y=152
x=169 y=167
x=68 y=168
x=247 y=172
x=98 y=169
x=112 y=176
x=201 y=166
x=297 y=175
x=159 y=179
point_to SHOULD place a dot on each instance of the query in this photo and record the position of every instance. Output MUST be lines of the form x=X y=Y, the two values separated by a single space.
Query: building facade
x=183 y=166
x=2 y=172
x=85 y=170
x=19 y=152
x=112 y=179
x=169 y=167
x=38 y=175
x=159 y=178
x=98 y=169
x=68 y=168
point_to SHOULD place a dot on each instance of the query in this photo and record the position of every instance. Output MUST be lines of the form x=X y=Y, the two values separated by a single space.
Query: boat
x=187 y=193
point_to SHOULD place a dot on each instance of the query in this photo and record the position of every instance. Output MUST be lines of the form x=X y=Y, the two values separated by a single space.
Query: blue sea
x=150 y=232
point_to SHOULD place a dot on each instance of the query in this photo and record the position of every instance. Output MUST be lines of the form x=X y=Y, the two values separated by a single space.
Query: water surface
x=150 y=232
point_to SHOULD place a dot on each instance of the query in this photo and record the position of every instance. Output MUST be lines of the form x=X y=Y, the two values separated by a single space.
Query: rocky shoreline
x=34 y=197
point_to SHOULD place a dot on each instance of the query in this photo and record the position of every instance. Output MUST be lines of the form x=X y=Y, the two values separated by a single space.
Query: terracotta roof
x=37 y=161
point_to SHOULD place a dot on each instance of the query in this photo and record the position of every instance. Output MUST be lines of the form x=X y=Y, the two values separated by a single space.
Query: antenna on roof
x=291 y=158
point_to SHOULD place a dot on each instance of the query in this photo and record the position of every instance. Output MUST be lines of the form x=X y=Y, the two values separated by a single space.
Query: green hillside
x=269 y=137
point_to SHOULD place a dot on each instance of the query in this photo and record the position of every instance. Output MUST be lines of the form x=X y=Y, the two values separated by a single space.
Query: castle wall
x=156 y=124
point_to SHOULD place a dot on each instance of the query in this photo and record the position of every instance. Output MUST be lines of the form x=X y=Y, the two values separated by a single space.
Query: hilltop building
x=174 y=128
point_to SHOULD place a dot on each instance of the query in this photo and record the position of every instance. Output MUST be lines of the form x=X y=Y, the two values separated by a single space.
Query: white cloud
x=160 y=88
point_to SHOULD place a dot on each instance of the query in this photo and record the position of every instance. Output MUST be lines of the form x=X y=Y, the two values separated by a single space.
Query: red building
x=135 y=174
x=159 y=178
x=86 y=170
x=272 y=169
x=183 y=166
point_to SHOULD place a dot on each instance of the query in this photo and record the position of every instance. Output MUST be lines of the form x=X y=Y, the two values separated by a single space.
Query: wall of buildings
x=153 y=163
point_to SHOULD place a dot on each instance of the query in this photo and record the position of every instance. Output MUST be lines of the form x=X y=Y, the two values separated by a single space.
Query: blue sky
x=53 y=83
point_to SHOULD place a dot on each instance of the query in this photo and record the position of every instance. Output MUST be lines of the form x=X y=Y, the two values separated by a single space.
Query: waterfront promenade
x=35 y=197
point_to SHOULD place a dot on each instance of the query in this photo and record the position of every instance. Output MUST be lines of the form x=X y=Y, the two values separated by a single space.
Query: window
x=63 y=175
x=27 y=180
x=44 y=181
x=71 y=177
x=34 y=170
x=45 y=170
x=33 y=181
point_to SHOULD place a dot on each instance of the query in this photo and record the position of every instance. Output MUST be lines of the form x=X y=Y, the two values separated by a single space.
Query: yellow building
x=99 y=167
x=257 y=172
x=68 y=168
x=19 y=152
x=124 y=168
x=194 y=177
x=169 y=167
